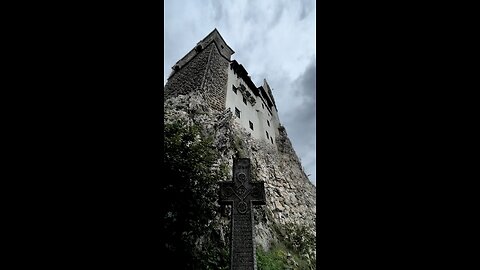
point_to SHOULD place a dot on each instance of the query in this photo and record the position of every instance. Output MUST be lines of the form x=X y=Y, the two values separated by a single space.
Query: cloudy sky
x=272 y=39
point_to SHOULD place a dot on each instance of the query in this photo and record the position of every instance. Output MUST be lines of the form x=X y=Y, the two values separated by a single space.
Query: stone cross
x=241 y=193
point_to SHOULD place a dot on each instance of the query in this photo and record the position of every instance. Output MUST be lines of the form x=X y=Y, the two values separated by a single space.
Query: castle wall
x=189 y=76
x=204 y=71
x=222 y=46
x=255 y=112
x=216 y=76
x=273 y=112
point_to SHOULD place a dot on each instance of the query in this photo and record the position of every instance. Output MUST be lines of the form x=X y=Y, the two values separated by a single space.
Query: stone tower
x=224 y=84
x=208 y=87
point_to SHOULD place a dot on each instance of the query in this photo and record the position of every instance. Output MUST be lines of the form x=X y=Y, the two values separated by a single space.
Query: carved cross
x=241 y=193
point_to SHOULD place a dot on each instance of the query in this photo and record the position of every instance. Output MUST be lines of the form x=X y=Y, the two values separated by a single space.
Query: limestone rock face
x=290 y=196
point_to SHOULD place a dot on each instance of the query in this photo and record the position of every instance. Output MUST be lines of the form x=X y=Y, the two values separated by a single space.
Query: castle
x=208 y=88
x=233 y=89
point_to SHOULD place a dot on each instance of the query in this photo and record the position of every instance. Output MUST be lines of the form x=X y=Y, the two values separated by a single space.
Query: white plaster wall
x=257 y=114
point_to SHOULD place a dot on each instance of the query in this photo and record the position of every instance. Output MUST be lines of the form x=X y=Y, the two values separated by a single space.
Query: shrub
x=299 y=242
x=190 y=219
x=273 y=259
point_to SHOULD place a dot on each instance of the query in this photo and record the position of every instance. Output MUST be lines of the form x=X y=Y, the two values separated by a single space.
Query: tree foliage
x=190 y=216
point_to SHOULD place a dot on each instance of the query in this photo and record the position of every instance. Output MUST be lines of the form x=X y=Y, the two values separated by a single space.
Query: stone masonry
x=203 y=70
x=189 y=78
x=216 y=76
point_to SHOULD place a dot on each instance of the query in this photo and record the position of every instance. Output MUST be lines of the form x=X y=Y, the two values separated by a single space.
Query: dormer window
x=237 y=112
x=267 y=134
x=245 y=100
x=251 y=125
x=234 y=89
x=268 y=123
x=252 y=100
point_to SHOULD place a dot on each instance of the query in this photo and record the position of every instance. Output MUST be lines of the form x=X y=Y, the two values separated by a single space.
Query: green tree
x=190 y=192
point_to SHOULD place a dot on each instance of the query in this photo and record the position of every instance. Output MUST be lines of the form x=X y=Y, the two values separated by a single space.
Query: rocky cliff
x=291 y=198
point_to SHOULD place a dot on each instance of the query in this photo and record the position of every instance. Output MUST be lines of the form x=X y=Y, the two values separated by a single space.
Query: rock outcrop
x=291 y=197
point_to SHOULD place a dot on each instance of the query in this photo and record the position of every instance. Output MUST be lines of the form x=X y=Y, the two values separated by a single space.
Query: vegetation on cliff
x=294 y=250
x=190 y=217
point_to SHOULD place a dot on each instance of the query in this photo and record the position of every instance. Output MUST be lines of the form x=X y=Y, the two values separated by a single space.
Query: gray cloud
x=273 y=39
x=301 y=119
x=306 y=7
x=277 y=15
x=218 y=10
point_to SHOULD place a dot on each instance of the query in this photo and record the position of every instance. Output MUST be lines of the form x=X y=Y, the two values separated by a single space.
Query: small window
x=245 y=100
x=237 y=112
x=263 y=107
x=234 y=89
x=268 y=123
x=251 y=125
x=267 y=135
x=221 y=46
x=271 y=140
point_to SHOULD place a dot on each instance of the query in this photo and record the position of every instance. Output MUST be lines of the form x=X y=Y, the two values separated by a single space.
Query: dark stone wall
x=221 y=45
x=207 y=73
x=215 y=86
x=189 y=77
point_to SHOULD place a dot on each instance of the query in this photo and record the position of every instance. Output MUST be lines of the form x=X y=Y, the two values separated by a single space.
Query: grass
x=276 y=259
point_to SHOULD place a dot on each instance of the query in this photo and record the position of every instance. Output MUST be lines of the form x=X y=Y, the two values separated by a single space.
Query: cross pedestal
x=241 y=193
